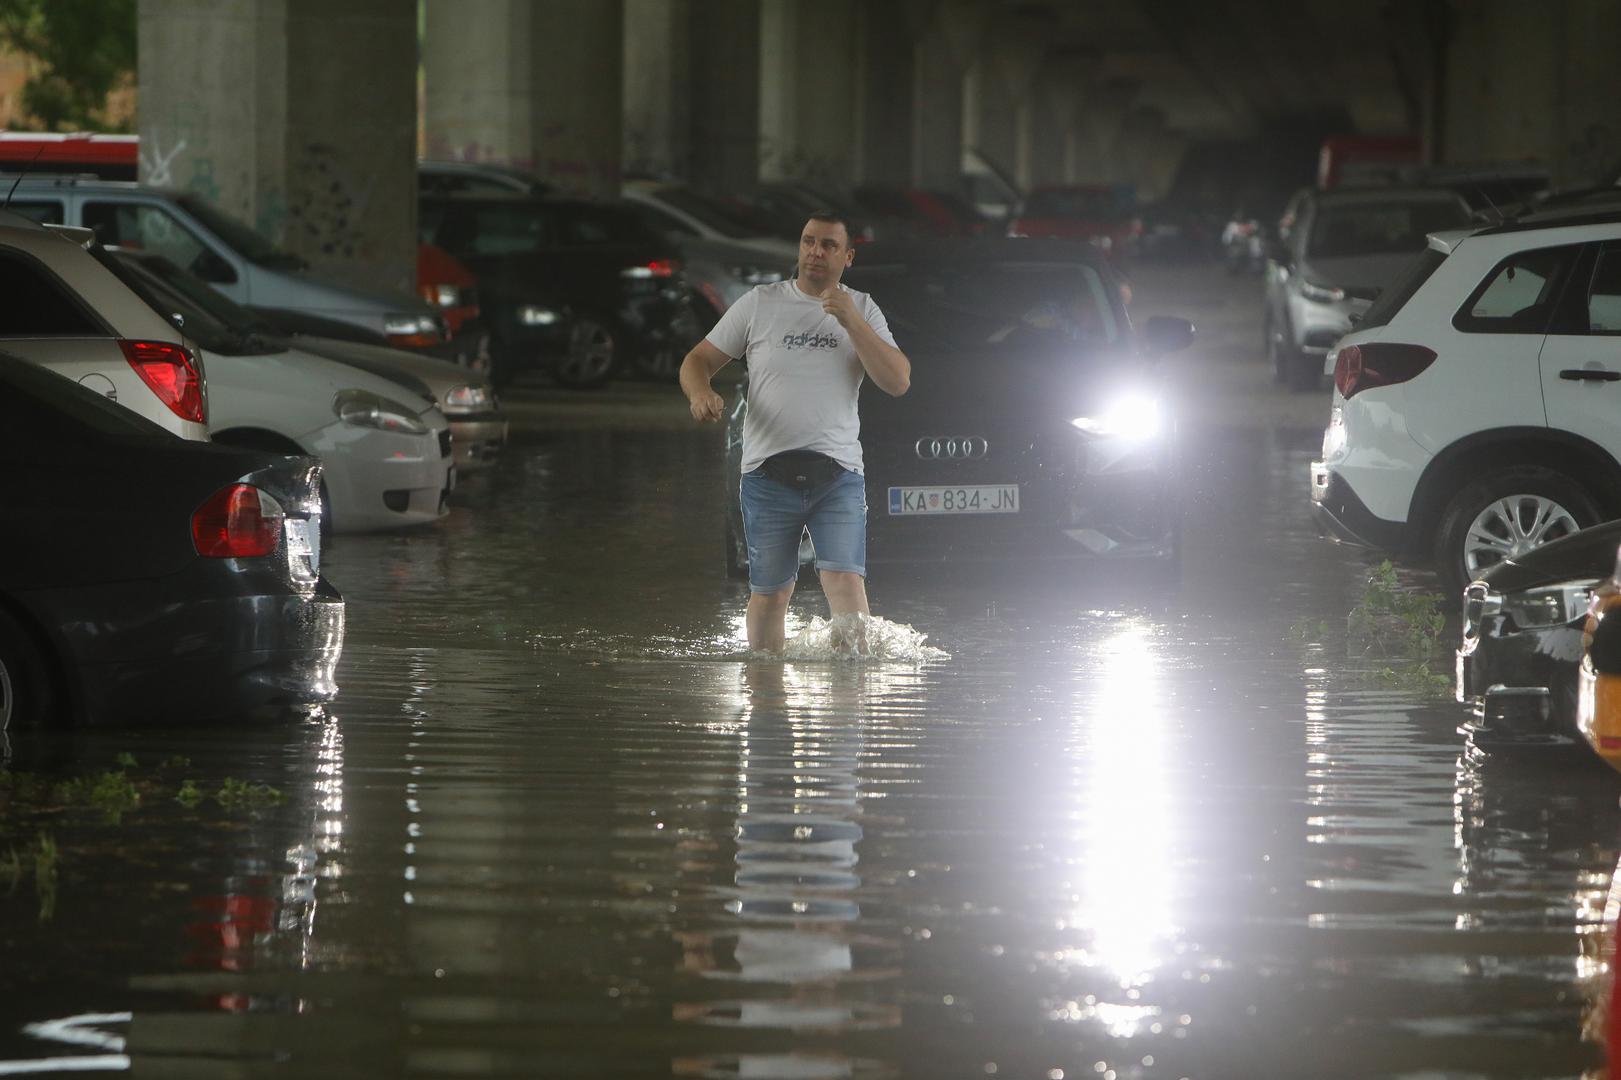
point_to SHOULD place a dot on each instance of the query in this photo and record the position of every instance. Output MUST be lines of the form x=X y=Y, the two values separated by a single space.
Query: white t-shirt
x=804 y=375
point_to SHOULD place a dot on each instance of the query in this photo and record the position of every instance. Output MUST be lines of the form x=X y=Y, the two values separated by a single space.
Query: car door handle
x=1590 y=375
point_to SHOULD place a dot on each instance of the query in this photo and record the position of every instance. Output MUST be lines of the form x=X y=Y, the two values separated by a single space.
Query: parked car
x=582 y=288
x=477 y=178
x=917 y=213
x=1522 y=640
x=1345 y=247
x=65 y=311
x=1474 y=414
x=478 y=428
x=788 y=204
x=677 y=210
x=1100 y=215
x=1038 y=426
x=385 y=446
x=452 y=290
x=193 y=233
x=209 y=605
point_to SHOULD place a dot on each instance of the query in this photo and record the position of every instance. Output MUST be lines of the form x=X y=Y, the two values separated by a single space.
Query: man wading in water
x=808 y=344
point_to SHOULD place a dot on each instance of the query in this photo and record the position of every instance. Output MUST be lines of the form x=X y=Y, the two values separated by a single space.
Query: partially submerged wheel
x=1505 y=516
x=26 y=690
x=588 y=361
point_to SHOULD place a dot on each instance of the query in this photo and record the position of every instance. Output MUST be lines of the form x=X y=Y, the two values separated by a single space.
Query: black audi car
x=1037 y=425
x=582 y=289
x=144 y=577
x=1522 y=641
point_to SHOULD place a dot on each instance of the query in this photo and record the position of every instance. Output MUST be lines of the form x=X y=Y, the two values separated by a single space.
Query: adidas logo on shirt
x=811 y=341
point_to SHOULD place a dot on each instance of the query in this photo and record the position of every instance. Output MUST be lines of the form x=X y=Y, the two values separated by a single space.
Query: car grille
x=444 y=443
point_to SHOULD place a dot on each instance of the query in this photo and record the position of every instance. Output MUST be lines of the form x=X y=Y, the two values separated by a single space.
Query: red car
x=1096 y=214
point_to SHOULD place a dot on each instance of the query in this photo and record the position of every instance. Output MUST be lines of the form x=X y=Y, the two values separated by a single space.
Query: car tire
x=27 y=690
x=659 y=363
x=1524 y=507
x=589 y=358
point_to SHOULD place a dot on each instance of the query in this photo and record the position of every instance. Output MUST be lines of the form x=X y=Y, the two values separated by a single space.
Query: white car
x=385 y=445
x=1343 y=247
x=1477 y=408
x=67 y=312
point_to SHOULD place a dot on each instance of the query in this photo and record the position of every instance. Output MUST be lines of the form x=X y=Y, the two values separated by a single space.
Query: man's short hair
x=832 y=217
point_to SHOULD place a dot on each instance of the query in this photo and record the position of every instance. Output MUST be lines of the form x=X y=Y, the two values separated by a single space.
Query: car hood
x=1014 y=392
x=1356 y=271
x=281 y=289
x=1587 y=555
x=437 y=377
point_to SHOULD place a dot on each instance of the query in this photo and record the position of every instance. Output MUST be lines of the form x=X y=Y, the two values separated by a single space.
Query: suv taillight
x=237 y=522
x=171 y=373
x=1378 y=363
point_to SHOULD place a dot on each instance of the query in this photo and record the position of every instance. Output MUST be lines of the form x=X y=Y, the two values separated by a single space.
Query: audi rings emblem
x=952 y=449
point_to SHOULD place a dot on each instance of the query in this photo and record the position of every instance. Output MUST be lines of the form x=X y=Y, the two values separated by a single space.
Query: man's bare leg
x=767 y=620
x=846 y=593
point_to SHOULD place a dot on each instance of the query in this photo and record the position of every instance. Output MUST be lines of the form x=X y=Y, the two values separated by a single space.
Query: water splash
x=854 y=636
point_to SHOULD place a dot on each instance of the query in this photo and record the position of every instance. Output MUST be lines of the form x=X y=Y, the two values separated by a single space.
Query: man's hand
x=839 y=305
x=706 y=406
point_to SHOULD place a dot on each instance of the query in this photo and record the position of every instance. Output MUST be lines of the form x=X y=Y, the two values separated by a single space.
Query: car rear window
x=37 y=305
x=1519 y=294
x=1395 y=298
x=968 y=307
x=1379 y=228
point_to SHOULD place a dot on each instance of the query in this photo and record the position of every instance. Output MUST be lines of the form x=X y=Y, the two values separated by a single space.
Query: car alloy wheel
x=1506 y=515
x=27 y=692
x=589 y=360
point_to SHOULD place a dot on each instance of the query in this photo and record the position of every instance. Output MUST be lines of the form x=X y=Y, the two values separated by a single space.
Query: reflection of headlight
x=468 y=397
x=1323 y=294
x=1552 y=605
x=410 y=325
x=755 y=275
x=366 y=409
x=1136 y=416
x=535 y=315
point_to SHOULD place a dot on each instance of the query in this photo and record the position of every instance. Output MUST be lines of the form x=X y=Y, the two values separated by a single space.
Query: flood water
x=558 y=825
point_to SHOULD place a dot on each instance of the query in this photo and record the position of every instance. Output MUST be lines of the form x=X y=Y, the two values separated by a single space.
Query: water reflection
x=798 y=953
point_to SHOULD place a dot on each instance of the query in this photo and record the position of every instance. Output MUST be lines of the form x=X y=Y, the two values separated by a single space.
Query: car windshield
x=1380 y=228
x=726 y=220
x=1081 y=203
x=955 y=308
x=516 y=227
x=239 y=237
x=209 y=319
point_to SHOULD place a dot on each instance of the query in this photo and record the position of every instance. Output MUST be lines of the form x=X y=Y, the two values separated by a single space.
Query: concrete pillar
x=501 y=86
x=657 y=95
x=997 y=86
x=297 y=116
x=1046 y=121
x=725 y=79
x=810 y=91
x=1097 y=127
x=886 y=107
x=941 y=57
x=1534 y=82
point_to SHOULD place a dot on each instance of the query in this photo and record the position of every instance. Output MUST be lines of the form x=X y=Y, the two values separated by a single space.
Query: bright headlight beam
x=1132 y=415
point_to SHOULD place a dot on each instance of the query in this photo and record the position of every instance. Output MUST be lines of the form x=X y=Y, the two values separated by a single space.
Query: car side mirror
x=213 y=268
x=1163 y=334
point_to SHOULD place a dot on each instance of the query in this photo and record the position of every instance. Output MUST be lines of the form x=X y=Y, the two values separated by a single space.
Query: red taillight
x=237 y=522
x=663 y=267
x=171 y=373
x=1378 y=363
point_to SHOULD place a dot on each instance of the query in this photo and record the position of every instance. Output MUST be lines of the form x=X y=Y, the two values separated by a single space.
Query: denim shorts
x=775 y=515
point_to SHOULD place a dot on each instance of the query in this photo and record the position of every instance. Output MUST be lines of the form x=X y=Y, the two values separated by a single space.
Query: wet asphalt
x=556 y=825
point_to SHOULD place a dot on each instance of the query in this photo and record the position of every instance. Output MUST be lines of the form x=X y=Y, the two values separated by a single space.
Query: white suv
x=1477 y=406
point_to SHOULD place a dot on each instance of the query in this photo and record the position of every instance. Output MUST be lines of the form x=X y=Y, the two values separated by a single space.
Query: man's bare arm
x=886 y=365
x=696 y=371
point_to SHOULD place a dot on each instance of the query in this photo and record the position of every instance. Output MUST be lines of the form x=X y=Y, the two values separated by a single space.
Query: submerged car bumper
x=476 y=439
x=383 y=479
x=219 y=645
x=1520 y=683
x=1341 y=515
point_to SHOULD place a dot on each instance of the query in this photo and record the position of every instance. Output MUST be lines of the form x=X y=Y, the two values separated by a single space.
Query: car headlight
x=1323 y=294
x=755 y=275
x=410 y=325
x=366 y=409
x=442 y=295
x=468 y=397
x=1552 y=605
x=1135 y=416
x=537 y=315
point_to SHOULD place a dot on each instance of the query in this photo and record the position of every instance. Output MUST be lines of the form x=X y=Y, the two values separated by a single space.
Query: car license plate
x=983 y=499
x=303 y=544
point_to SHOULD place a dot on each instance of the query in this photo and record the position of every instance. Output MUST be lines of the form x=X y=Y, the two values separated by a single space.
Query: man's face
x=824 y=252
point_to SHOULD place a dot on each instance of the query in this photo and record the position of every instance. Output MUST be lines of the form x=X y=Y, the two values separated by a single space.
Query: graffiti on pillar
x=272 y=215
x=157 y=163
x=1595 y=157
x=203 y=181
x=824 y=171
x=329 y=205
